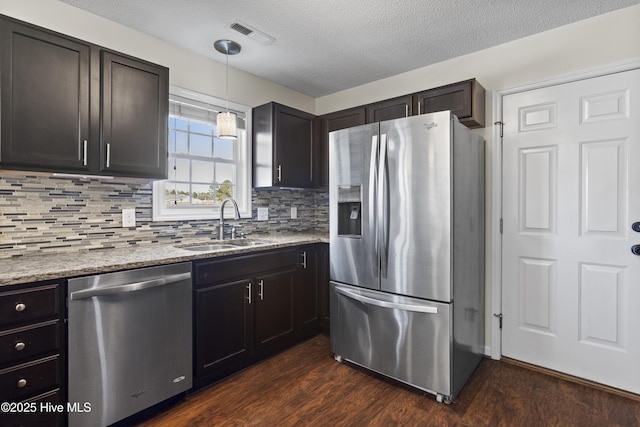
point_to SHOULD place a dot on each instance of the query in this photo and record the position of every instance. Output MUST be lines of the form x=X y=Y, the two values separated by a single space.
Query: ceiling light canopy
x=227 y=122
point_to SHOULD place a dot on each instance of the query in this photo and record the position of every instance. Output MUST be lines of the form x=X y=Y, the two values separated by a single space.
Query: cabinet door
x=295 y=157
x=45 y=99
x=134 y=110
x=274 y=309
x=222 y=325
x=389 y=109
x=308 y=288
x=464 y=99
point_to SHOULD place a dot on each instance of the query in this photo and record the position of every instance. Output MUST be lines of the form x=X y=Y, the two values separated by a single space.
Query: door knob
x=635 y=249
x=636 y=227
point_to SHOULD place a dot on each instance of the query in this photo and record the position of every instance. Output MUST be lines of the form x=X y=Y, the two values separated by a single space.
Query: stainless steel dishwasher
x=130 y=341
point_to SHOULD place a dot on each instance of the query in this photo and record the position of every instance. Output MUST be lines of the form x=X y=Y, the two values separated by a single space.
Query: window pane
x=225 y=173
x=203 y=128
x=181 y=124
x=202 y=171
x=223 y=148
x=182 y=144
x=202 y=195
x=201 y=145
x=182 y=170
x=172 y=141
x=177 y=195
x=223 y=191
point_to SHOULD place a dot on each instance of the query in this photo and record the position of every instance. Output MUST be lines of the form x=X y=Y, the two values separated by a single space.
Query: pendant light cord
x=227 y=88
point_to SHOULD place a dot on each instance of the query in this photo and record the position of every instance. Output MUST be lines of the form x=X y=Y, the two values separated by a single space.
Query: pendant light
x=227 y=122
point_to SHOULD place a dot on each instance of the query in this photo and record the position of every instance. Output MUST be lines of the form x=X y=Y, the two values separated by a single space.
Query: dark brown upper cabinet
x=390 y=109
x=345 y=118
x=134 y=117
x=285 y=151
x=465 y=99
x=69 y=106
x=45 y=90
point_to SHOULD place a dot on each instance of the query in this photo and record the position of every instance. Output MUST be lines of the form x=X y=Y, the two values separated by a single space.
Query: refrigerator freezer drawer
x=404 y=338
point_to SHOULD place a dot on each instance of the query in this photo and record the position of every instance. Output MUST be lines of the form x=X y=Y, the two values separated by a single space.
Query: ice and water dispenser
x=350 y=211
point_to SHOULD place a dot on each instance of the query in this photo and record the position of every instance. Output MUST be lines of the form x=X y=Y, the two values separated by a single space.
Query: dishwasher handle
x=129 y=287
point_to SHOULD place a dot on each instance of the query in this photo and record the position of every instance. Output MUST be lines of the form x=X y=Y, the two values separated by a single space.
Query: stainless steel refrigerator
x=406 y=206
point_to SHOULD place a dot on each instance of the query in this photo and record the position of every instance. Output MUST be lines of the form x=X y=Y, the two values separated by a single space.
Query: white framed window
x=203 y=169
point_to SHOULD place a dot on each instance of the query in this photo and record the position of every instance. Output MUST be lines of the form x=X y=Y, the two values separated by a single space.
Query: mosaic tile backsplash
x=62 y=214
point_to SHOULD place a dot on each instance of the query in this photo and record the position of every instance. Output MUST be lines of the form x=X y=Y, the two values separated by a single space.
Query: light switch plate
x=294 y=212
x=128 y=218
x=263 y=214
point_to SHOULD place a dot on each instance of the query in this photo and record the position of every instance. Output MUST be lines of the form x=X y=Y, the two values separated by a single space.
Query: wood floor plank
x=305 y=386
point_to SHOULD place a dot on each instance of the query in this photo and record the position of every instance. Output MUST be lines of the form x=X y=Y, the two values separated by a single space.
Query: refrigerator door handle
x=373 y=205
x=383 y=208
x=387 y=304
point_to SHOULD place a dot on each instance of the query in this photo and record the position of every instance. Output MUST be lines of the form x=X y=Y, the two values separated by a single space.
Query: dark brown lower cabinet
x=223 y=319
x=313 y=285
x=274 y=308
x=32 y=354
x=248 y=307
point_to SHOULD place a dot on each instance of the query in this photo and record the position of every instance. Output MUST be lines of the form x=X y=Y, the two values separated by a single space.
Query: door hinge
x=501 y=128
x=499 y=316
x=501 y=226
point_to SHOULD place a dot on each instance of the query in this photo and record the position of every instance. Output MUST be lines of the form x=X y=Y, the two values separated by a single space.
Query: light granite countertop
x=34 y=268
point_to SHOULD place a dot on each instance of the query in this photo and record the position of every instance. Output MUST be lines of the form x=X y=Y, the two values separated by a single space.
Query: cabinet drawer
x=29 y=304
x=39 y=418
x=19 y=344
x=221 y=269
x=30 y=378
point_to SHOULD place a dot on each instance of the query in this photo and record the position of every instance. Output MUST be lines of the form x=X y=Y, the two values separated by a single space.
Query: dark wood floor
x=305 y=387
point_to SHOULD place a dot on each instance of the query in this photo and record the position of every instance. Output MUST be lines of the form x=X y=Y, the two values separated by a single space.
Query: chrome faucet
x=237 y=216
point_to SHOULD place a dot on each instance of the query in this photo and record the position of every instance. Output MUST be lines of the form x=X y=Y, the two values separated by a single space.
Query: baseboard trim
x=571 y=378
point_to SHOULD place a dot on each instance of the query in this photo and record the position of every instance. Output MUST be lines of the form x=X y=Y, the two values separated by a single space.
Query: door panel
x=419 y=191
x=569 y=276
x=352 y=256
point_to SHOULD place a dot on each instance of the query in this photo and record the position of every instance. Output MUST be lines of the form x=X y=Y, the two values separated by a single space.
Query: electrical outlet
x=128 y=218
x=294 y=212
x=263 y=214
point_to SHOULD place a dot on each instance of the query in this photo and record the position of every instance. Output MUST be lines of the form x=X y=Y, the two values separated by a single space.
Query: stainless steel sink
x=206 y=248
x=221 y=245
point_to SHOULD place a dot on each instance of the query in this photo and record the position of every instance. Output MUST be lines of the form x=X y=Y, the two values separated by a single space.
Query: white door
x=571 y=194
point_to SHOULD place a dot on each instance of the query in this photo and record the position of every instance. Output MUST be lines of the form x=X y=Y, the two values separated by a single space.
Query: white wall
x=604 y=39
x=187 y=70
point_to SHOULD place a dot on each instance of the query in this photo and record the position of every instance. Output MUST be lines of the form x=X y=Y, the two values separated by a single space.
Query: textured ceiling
x=325 y=46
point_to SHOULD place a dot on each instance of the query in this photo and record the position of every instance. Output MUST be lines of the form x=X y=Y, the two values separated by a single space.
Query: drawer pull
x=21 y=307
x=20 y=346
x=21 y=383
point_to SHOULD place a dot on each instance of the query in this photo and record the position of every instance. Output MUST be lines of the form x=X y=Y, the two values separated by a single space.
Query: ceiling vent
x=259 y=36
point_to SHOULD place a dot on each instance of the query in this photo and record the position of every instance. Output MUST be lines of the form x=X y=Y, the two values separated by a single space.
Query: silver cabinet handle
x=20 y=346
x=21 y=307
x=279 y=173
x=83 y=152
x=419 y=108
x=108 y=154
x=21 y=383
x=388 y=304
x=406 y=110
x=261 y=293
x=129 y=287
x=304 y=259
x=249 y=292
